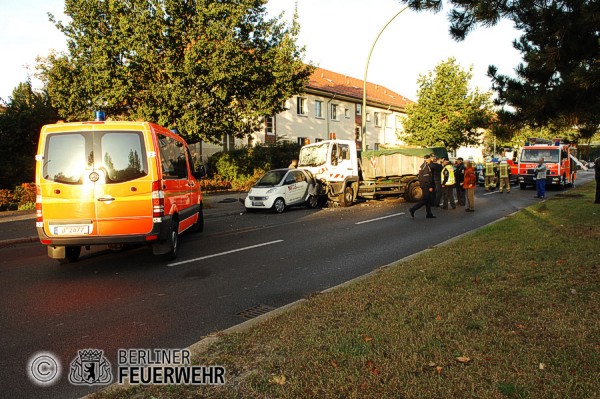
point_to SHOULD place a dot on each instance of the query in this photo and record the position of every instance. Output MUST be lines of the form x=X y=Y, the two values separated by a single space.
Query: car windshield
x=534 y=155
x=271 y=178
x=313 y=155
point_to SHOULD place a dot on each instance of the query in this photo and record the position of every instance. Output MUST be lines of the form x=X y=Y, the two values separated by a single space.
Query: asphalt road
x=130 y=299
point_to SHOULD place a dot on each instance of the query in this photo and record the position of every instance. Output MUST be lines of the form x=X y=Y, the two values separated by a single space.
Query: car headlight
x=271 y=191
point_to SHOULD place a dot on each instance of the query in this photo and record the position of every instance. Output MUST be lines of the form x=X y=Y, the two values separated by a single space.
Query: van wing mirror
x=200 y=172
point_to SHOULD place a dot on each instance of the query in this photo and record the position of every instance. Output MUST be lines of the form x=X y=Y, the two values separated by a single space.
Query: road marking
x=224 y=253
x=491 y=192
x=383 y=217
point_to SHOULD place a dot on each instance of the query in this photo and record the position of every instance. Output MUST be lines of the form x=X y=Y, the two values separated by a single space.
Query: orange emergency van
x=114 y=183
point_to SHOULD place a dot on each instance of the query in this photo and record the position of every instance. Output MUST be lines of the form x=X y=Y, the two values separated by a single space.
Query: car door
x=296 y=187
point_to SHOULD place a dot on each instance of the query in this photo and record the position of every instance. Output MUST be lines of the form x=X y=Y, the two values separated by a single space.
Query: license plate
x=258 y=203
x=71 y=230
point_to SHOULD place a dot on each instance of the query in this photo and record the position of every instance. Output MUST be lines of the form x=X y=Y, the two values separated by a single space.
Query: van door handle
x=106 y=199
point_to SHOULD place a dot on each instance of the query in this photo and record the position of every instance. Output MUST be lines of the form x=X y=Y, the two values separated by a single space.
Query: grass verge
x=512 y=311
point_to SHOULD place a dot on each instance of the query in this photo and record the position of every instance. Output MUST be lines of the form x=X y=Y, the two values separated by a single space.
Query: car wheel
x=174 y=241
x=312 y=202
x=71 y=255
x=279 y=205
x=346 y=197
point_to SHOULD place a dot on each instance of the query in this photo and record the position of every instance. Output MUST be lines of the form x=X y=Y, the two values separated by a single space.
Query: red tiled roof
x=333 y=82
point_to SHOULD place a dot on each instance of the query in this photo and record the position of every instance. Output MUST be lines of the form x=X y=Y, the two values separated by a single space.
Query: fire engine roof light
x=99 y=116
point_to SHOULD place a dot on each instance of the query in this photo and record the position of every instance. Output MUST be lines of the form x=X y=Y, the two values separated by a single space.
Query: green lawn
x=513 y=311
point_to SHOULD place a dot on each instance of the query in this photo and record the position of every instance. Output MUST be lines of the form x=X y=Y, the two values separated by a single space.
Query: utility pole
x=364 y=98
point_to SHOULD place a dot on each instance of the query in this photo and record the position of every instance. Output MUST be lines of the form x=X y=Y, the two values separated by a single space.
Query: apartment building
x=331 y=107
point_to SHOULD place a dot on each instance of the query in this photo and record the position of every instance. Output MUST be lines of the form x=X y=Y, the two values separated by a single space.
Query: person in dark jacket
x=597 y=169
x=459 y=175
x=436 y=169
x=427 y=184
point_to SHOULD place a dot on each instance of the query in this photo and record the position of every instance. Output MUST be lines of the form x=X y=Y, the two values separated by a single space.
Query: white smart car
x=282 y=188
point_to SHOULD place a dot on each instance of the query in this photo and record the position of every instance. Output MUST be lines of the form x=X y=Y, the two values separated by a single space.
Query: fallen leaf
x=463 y=359
x=439 y=317
x=542 y=366
x=278 y=379
x=431 y=364
x=520 y=326
x=334 y=364
x=439 y=369
x=367 y=339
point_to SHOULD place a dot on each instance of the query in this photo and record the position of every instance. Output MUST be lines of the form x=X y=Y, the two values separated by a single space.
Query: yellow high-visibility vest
x=451 y=179
x=503 y=170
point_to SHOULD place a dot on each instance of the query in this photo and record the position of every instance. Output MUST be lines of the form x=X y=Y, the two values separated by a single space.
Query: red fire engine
x=559 y=158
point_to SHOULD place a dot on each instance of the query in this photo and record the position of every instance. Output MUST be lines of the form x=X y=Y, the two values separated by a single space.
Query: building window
x=346 y=112
x=301 y=106
x=318 y=109
x=377 y=116
x=376 y=146
x=334 y=112
x=269 y=126
x=303 y=141
x=358 y=109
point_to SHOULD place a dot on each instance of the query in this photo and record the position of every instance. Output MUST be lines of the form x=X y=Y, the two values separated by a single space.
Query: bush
x=243 y=166
x=6 y=197
x=24 y=194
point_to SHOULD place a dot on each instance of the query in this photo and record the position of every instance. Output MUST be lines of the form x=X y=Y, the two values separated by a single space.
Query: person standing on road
x=448 y=182
x=436 y=169
x=489 y=174
x=426 y=182
x=469 y=184
x=597 y=170
x=459 y=175
x=504 y=176
x=540 y=179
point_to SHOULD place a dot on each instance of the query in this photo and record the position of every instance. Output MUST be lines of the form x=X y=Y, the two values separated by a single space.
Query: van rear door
x=123 y=191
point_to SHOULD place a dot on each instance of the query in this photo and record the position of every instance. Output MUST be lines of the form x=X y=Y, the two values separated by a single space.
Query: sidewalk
x=18 y=227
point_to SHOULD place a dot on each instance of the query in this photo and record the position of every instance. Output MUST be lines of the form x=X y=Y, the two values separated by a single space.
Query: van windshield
x=116 y=156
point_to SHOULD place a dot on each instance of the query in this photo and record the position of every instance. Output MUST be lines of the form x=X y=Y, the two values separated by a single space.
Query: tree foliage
x=20 y=122
x=558 y=82
x=204 y=67
x=447 y=112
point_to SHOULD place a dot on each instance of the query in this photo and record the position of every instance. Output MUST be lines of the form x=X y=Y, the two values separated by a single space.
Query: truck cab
x=334 y=163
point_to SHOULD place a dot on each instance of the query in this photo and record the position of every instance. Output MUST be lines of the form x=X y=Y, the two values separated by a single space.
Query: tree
x=20 y=122
x=559 y=81
x=204 y=67
x=447 y=113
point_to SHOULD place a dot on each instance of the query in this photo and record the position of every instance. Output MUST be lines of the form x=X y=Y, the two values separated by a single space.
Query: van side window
x=172 y=158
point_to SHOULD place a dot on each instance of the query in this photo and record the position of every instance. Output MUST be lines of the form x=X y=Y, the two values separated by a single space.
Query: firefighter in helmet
x=504 y=175
x=489 y=172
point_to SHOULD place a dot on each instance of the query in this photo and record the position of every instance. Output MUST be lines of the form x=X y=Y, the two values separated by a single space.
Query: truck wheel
x=174 y=241
x=346 y=197
x=522 y=186
x=279 y=205
x=71 y=255
x=413 y=192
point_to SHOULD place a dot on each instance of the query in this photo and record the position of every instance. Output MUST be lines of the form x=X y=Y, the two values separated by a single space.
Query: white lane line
x=383 y=217
x=224 y=253
x=492 y=192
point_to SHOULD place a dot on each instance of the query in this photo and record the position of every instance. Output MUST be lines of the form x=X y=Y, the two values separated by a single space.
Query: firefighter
x=489 y=174
x=504 y=175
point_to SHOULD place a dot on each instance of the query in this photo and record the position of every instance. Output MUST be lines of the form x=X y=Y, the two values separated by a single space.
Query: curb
x=15 y=241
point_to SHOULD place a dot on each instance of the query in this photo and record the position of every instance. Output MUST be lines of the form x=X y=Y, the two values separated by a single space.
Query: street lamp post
x=364 y=98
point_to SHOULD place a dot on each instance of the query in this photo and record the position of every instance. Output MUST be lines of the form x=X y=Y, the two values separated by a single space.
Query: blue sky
x=337 y=35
